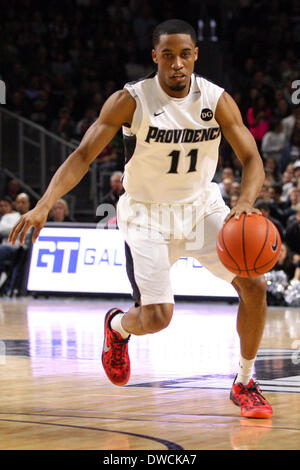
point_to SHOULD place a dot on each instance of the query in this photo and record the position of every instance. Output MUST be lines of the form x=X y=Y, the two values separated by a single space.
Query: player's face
x=175 y=56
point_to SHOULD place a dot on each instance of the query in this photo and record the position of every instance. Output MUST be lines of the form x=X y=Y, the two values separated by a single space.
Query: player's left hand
x=239 y=209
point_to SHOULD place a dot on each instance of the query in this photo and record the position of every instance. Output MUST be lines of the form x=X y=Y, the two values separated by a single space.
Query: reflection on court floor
x=199 y=349
x=178 y=395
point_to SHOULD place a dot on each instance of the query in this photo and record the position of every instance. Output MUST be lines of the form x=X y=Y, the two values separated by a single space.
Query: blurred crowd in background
x=61 y=60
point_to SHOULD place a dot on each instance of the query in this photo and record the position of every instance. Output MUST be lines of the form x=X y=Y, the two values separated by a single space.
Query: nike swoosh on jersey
x=157 y=114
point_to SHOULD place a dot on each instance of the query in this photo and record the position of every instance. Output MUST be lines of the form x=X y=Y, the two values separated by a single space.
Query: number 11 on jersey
x=175 y=154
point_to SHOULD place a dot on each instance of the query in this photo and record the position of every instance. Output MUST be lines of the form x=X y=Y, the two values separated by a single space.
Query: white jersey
x=171 y=148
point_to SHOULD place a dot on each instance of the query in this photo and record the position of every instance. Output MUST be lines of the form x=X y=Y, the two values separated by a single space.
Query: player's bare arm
x=244 y=146
x=117 y=110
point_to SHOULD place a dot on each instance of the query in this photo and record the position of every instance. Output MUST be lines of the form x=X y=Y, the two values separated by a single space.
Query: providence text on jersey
x=182 y=135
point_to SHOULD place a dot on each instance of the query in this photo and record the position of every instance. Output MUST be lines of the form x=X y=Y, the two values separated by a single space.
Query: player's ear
x=196 y=53
x=154 y=56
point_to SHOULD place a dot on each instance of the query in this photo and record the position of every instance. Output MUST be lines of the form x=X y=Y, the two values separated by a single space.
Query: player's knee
x=251 y=288
x=156 y=317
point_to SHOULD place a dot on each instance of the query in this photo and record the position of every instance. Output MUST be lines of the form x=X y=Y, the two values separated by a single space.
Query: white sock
x=116 y=325
x=245 y=370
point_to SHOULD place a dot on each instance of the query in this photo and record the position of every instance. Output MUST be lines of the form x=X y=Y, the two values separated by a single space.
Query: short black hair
x=173 y=26
x=277 y=188
x=7 y=199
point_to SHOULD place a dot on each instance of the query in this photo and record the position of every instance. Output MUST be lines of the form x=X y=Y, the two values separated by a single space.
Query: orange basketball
x=249 y=246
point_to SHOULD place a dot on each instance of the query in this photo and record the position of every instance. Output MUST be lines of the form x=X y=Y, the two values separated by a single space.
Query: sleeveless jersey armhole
x=137 y=115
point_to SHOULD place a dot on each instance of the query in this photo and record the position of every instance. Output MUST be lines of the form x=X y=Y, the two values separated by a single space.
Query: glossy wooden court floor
x=55 y=395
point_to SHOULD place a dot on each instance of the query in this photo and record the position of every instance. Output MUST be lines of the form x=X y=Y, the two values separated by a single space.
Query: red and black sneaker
x=115 y=358
x=250 y=400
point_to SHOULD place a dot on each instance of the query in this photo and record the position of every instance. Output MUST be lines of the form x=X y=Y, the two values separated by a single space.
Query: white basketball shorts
x=159 y=235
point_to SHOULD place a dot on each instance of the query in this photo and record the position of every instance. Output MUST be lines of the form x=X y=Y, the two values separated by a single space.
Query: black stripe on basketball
x=243 y=243
x=223 y=241
x=262 y=249
x=266 y=264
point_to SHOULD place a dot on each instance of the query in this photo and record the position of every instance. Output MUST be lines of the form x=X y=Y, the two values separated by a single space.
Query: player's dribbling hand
x=241 y=208
x=36 y=218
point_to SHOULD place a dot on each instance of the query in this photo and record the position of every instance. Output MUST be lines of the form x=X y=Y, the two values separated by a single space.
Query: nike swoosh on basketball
x=274 y=247
x=105 y=347
x=219 y=246
x=157 y=114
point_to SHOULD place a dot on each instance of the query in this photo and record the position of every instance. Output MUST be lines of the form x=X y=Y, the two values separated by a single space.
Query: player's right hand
x=36 y=218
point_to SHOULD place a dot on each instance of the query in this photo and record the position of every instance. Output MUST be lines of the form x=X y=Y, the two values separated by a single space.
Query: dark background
x=60 y=60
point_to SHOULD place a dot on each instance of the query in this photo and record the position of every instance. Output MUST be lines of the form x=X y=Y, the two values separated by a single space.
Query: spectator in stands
x=22 y=203
x=296 y=171
x=116 y=189
x=287 y=183
x=294 y=201
x=233 y=200
x=8 y=219
x=264 y=194
x=32 y=91
x=6 y=206
x=62 y=65
x=226 y=174
x=6 y=224
x=278 y=95
x=258 y=119
x=278 y=209
x=97 y=102
x=282 y=109
x=235 y=188
x=292 y=236
x=292 y=217
x=60 y=212
x=285 y=262
x=273 y=141
x=265 y=210
x=272 y=174
x=289 y=122
x=64 y=126
x=85 y=122
x=17 y=103
x=12 y=189
x=226 y=189
x=40 y=112
x=260 y=84
x=107 y=163
x=291 y=152
x=291 y=167
x=294 y=196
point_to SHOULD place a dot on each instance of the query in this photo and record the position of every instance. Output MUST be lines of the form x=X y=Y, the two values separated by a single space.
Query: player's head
x=174 y=52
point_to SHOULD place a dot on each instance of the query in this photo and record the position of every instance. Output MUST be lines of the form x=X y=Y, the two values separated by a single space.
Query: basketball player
x=172 y=123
